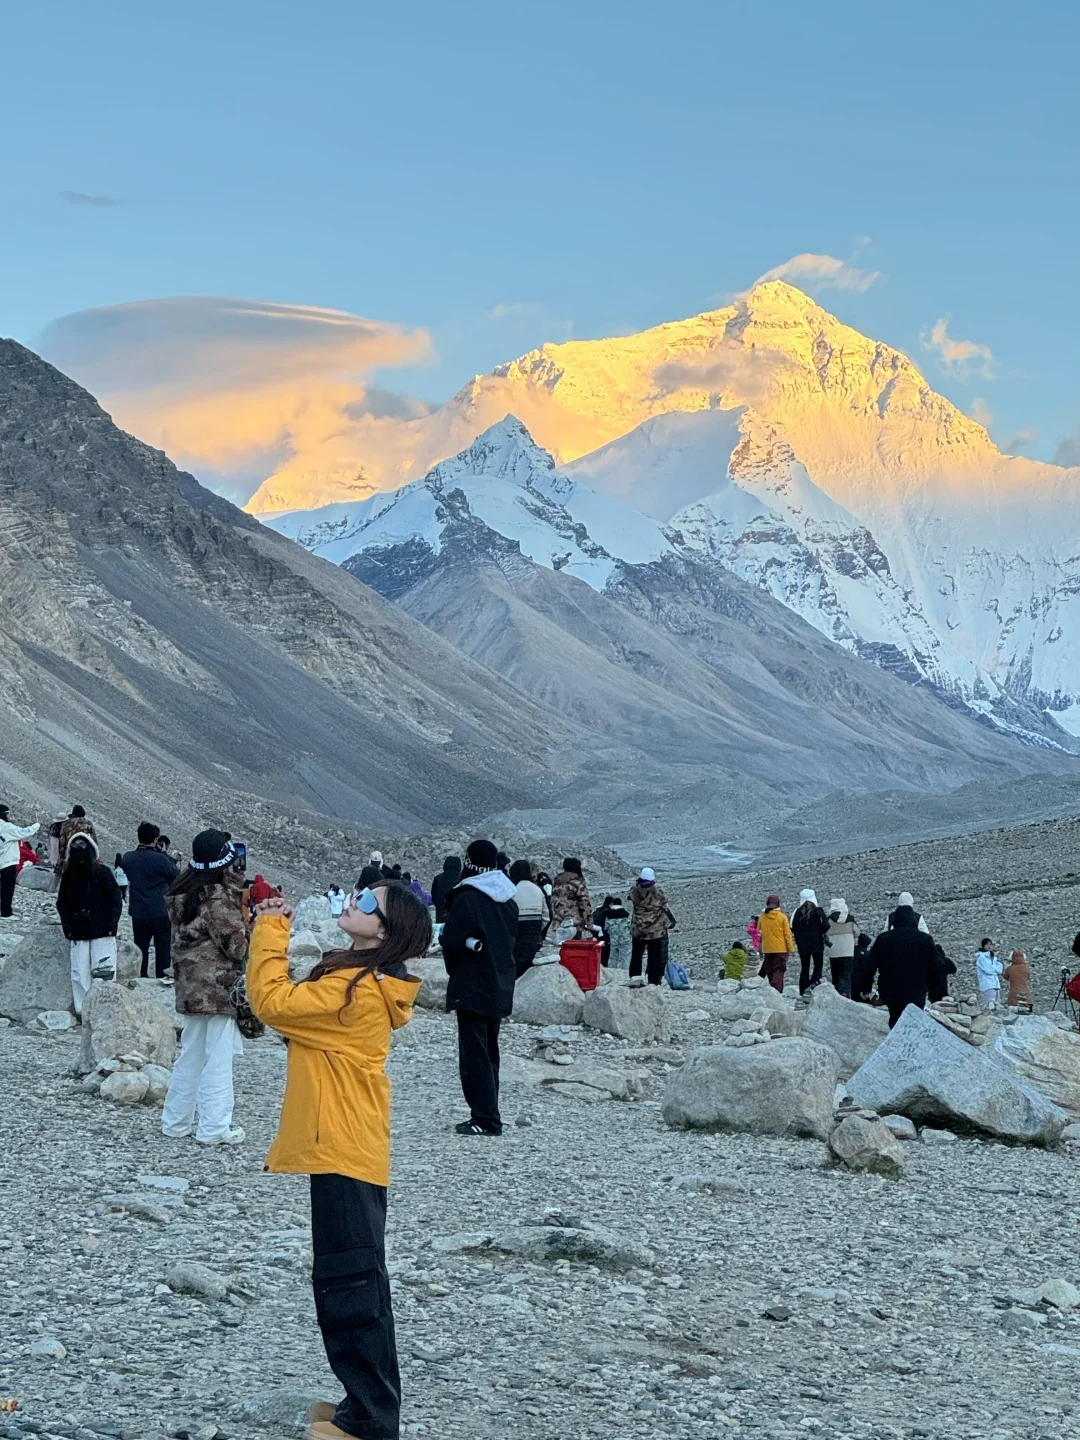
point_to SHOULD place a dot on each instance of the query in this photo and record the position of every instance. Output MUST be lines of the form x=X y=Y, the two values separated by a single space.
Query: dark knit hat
x=572 y=865
x=482 y=855
x=210 y=850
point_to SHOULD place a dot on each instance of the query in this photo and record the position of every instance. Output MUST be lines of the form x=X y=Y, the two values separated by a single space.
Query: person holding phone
x=335 y=1127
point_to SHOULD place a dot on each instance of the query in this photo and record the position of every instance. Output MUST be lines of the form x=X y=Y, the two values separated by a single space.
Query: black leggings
x=655 y=957
x=352 y=1302
x=805 y=978
x=8 y=876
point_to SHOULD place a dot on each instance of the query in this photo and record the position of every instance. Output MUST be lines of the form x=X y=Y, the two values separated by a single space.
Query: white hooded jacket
x=10 y=835
x=843 y=933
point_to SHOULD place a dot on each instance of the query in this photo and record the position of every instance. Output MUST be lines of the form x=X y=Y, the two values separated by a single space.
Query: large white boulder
x=922 y=1071
x=548 y=995
x=119 y=1021
x=37 y=877
x=37 y=974
x=305 y=951
x=783 y=1088
x=853 y=1030
x=640 y=1014
x=1046 y=1056
x=433 y=977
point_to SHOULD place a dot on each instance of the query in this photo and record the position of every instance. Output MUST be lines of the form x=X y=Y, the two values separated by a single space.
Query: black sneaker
x=470 y=1127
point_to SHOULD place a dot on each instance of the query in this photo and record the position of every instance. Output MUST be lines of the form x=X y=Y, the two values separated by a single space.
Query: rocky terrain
x=592 y=1273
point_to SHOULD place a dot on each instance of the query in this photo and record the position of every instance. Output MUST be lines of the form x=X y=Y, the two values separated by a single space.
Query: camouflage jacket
x=649 y=904
x=209 y=951
x=70 y=827
x=570 y=901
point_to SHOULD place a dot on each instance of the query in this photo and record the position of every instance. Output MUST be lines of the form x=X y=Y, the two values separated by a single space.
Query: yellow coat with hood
x=335 y=1117
x=776 y=936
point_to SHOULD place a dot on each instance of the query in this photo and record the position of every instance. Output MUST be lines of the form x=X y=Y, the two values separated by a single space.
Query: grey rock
x=859 y=1143
x=922 y=1071
x=548 y=995
x=434 y=980
x=783 y=1088
x=590 y=1245
x=1059 y=1292
x=853 y=1030
x=640 y=1015
x=1071 y=1133
x=305 y=952
x=157 y=1078
x=191 y=1277
x=48 y=1348
x=125 y=1087
x=172 y=1184
x=279 y=1411
x=37 y=975
x=900 y=1126
x=118 y=1021
x=750 y=997
x=1044 y=1055
x=37 y=877
x=615 y=1084
x=56 y=1020
x=932 y=1135
x=1017 y=1321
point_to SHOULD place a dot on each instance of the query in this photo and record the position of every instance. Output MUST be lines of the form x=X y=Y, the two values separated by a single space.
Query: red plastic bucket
x=582 y=959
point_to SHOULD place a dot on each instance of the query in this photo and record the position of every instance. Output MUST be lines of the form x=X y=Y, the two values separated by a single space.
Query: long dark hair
x=408 y=935
x=190 y=885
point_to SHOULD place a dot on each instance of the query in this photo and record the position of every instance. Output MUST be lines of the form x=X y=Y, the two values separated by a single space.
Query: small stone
x=1071 y=1134
x=175 y=1184
x=125 y=1087
x=157 y=1086
x=901 y=1126
x=56 y=1020
x=696 y=1015
x=190 y=1277
x=1017 y=1320
x=930 y=1136
x=776 y=1312
x=48 y=1348
x=1059 y=1293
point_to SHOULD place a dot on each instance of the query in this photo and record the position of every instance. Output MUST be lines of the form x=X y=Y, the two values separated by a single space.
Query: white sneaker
x=234 y=1135
x=636 y=982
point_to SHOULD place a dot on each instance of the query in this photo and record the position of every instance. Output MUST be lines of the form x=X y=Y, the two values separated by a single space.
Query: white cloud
x=1068 y=450
x=1020 y=441
x=955 y=354
x=232 y=386
x=981 y=412
x=821 y=272
x=745 y=372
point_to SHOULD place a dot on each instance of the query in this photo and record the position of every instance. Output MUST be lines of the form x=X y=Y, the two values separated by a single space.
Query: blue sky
x=504 y=174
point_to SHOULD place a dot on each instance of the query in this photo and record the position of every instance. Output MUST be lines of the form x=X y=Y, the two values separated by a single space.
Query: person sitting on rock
x=734 y=961
x=1018 y=974
x=335 y=1127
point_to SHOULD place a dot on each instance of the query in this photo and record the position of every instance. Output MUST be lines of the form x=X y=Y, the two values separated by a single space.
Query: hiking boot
x=327 y=1430
x=470 y=1127
x=234 y=1135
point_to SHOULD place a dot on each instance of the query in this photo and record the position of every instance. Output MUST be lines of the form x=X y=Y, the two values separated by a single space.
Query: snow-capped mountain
x=504 y=480
x=815 y=463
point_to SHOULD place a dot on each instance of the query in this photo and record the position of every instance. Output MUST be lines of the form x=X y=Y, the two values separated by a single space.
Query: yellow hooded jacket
x=335 y=1117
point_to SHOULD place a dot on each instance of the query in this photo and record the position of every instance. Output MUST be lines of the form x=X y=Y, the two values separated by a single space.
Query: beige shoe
x=326 y=1430
x=321 y=1410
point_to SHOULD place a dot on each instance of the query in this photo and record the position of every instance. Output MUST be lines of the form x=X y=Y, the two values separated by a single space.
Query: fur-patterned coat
x=209 y=951
x=570 y=901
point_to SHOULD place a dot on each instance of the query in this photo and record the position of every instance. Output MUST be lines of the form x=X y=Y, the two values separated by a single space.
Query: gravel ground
x=895 y=1289
x=1019 y=885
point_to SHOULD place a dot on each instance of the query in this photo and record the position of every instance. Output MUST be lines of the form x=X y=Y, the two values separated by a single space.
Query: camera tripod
x=1063 y=994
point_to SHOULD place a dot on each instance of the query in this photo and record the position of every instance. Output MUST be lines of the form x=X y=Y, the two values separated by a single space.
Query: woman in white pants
x=209 y=952
x=89 y=905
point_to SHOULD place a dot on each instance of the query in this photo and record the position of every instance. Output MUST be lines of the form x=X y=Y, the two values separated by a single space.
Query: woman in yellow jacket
x=335 y=1127
x=777 y=942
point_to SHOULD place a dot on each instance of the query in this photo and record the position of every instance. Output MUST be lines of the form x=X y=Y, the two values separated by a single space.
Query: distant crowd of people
x=904 y=965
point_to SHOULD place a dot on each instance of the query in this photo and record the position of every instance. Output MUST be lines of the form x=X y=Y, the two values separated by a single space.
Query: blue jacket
x=150 y=872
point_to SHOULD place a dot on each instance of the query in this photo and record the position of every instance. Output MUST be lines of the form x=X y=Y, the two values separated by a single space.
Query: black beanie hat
x=482 y=855
x=572 y=865
x=210 y=850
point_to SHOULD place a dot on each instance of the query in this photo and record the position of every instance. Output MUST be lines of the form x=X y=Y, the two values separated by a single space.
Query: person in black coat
x=478 y=951
x=810 y=927
x=89 y=905
x=448 y=877
x=905 y=961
